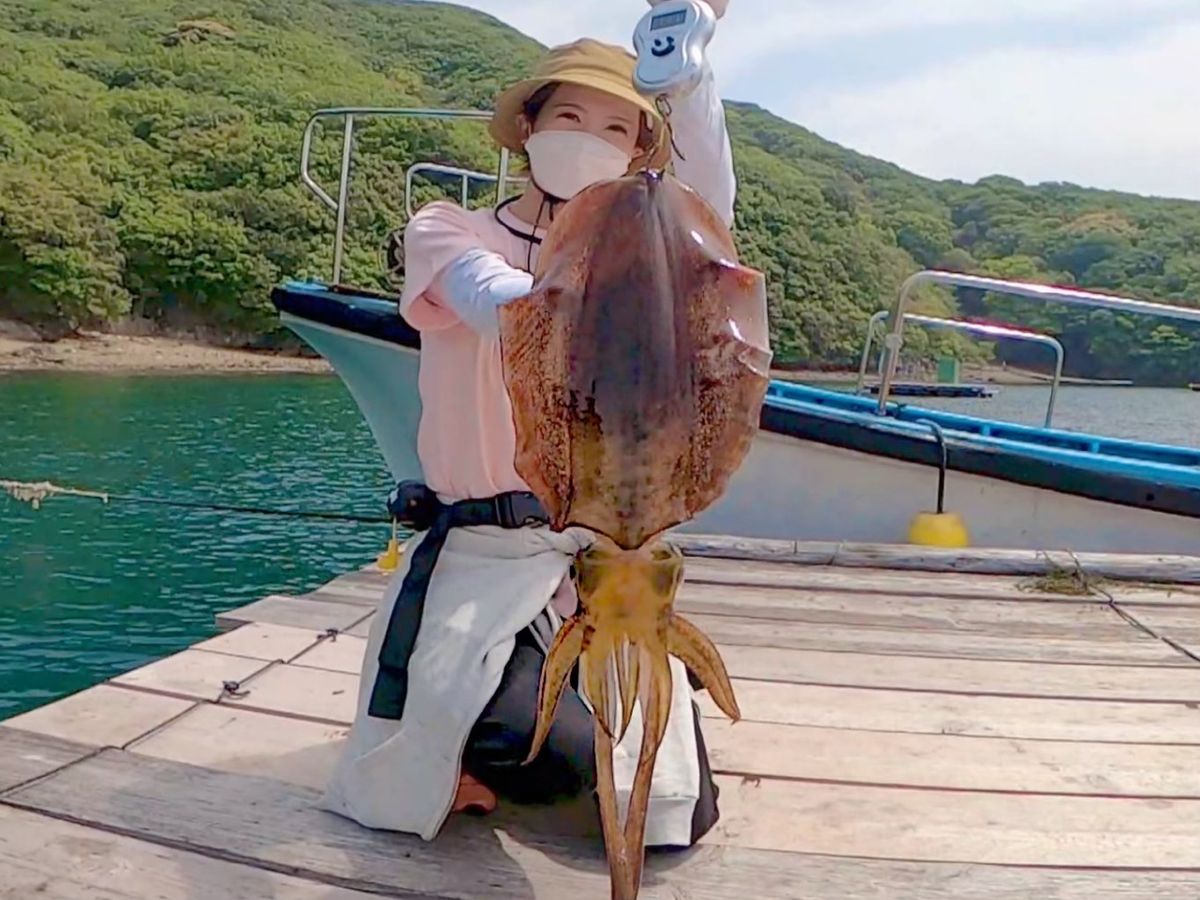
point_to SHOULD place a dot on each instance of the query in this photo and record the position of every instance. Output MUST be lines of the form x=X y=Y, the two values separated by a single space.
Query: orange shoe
x=473 y=797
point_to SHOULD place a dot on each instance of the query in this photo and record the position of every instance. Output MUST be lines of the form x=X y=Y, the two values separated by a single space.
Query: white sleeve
x=706 y=165
x=478 y=282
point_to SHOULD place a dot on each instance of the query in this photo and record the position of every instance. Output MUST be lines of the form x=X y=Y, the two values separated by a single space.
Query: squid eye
x=663 y=580
x=586 y=578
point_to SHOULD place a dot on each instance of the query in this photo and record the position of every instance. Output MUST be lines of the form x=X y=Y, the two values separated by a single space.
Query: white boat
x=826 y=465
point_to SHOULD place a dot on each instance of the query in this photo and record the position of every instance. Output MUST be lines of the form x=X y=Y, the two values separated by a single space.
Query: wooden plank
x=812 y=567
x=951 y=761
x=25 y=755
x=998 y=717
x=1165 y=619
x=922 y=584
x=342 y=654
x=218 y=736
x=1176 y=569
x=1179 y=624
x=1165 y=568
x=257 y=640
x=316 y=693
x=1169 y=595
x=812 y=570
x=275 y=609
x=857 y=575
x=1188 y=642
x=363 y=628
x=193 y=673
x=723 y=546
x=1091 y=621
x=947 y=826
x=349 y=594
x=345 y=654
x=1137 y=649
x=512 y=856
x=783 y=574
x=55 y=860
x=332 y=696
x=368 y=576
x=102 y=716
x=302 y=752
x=973 y=676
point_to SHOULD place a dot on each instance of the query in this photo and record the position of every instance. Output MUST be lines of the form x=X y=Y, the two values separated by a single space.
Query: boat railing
x=349 y=117
x=894 y=340
x=465 y=176
x=980 y=328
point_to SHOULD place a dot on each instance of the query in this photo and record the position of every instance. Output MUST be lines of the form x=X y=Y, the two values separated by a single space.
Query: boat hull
x=820 y=469
x=809 y=491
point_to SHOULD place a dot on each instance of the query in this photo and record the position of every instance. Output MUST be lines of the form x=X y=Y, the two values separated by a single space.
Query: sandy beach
x=128 y=354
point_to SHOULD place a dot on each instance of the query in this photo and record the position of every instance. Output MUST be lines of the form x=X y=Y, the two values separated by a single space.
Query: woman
x=449 y=683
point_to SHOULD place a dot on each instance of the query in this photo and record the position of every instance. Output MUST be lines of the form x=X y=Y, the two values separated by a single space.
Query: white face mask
x=565 y=162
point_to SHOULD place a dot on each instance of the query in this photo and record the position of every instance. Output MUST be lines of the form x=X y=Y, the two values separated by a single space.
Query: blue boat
x=826 y=465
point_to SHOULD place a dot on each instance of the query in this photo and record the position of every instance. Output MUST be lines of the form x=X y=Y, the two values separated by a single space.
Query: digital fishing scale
x=670 y=41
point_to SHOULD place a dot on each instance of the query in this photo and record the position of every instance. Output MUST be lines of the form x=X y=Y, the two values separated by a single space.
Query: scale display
x=670 y=41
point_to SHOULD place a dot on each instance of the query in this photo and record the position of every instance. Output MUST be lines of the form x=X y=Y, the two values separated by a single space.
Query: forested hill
x=148 y=167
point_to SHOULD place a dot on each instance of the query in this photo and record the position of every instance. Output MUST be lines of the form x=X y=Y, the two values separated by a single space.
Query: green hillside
x=148 y=168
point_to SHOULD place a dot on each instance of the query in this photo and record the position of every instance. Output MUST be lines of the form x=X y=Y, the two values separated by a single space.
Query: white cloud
x=1121 y=118
x=756 y=27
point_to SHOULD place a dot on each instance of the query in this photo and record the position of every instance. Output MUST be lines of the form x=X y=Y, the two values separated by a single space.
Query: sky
x=1100 y=93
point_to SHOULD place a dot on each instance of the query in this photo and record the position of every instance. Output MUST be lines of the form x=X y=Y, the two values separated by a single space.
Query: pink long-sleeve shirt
x=466 y=439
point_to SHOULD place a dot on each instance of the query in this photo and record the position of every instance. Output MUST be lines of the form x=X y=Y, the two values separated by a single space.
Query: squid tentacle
x=567 y=646
x=698 y=653
x=656 y=704
x=628 y=678
x=616 y=847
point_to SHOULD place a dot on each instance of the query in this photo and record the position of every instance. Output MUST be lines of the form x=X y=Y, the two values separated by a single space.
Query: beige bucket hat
x=589 y=63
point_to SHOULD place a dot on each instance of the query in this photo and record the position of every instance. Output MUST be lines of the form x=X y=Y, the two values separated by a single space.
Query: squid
x=636 y=369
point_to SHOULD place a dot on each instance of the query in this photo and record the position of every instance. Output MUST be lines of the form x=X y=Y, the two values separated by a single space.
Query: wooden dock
x=907 y=734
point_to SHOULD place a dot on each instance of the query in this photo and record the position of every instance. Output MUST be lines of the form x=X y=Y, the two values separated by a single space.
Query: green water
x=88 y=591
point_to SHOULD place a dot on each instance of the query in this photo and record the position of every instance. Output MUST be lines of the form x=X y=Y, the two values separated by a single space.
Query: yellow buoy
x=389 y=559
x=944 y=529
x=940 y=528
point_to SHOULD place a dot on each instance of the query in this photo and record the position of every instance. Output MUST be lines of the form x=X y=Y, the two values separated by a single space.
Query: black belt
x=415 y=506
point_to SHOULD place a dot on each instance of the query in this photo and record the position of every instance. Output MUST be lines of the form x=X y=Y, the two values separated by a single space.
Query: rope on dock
x=34 y=492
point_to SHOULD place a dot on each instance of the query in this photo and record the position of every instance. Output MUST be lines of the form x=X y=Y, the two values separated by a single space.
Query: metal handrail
x=438 y=169
x=894 y=340
x=349 y=114
x=974 y=328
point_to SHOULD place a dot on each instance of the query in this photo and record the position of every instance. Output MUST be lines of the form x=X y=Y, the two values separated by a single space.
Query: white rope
x=34 y=492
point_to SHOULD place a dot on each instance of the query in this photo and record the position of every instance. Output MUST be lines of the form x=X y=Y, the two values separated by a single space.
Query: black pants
x=566 y=765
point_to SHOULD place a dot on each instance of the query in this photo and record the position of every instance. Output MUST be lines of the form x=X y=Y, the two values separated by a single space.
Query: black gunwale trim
x=330 y=307
x=809 y=425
